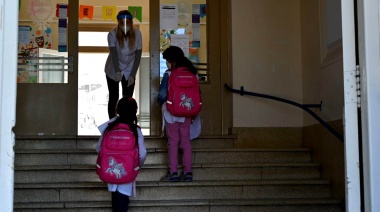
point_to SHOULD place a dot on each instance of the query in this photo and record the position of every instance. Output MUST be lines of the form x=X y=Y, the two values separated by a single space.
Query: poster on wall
x=184 y=13
x=168 y=17
x=62 y=27
x=203 y=10
x=181 y=41
x=30 y=39
x=42 y=13
x=180 y=25
x=23 y=34
x=185 y=19
x=196 y=35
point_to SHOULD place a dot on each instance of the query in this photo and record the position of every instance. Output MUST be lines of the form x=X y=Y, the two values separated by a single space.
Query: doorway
x=92 y=55
x=52 y=108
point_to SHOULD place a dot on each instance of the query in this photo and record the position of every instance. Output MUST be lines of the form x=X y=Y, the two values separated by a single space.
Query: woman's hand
x=118 y=76
x=131 y=80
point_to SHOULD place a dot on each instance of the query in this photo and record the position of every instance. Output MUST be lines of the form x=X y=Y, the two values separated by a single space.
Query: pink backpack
x=184 y=96
x=118 y=159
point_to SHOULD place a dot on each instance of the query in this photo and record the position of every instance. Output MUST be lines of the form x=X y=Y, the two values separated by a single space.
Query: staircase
x=58 y=174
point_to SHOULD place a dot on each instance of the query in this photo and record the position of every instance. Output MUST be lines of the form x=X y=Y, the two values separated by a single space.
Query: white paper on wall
x=181 y=41
x=168 y=16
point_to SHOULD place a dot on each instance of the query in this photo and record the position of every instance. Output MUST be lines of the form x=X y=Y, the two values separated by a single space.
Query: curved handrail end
x=304 y=107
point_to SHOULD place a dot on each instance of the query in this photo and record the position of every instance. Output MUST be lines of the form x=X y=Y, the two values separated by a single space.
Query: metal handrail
x=304 y=107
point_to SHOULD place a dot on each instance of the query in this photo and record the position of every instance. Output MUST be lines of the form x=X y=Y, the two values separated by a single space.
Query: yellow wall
x=322 y=65
x=266 y=58
x=323 y=80
x=279 y=48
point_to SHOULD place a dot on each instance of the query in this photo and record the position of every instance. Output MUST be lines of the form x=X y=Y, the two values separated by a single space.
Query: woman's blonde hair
x=130 y=34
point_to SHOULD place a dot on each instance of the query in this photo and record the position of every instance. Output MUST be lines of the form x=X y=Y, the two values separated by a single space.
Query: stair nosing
x=205 y=183
x=159 y=166
x=96 y=137
x=205 y=202
x=151 y=150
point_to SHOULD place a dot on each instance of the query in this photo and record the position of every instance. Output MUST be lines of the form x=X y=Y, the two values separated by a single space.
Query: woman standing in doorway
x=125 y=45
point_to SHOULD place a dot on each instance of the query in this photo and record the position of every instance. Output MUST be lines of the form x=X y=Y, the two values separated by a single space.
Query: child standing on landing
x=126 y=114
x=177 y=128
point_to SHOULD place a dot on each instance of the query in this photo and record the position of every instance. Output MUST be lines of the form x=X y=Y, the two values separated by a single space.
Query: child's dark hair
x=126 y=109
x=174 y=53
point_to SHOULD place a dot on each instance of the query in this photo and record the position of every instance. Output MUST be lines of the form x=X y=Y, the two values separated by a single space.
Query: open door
x=210 y=56
x=368 y=48
x=351 y=101
x=47 y=90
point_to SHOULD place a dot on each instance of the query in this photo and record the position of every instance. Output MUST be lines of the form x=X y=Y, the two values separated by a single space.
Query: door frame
x=51 y=109
x=369 y=60
x=217 y=105
x=351 y=128
x=8 y=86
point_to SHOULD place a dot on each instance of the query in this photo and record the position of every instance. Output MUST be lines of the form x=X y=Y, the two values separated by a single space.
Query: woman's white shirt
x=126 y=55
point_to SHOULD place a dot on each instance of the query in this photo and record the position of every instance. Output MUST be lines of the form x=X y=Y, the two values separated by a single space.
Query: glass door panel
x=184 y=23
x=92 y=93
x=47 y=50
x=93 y=52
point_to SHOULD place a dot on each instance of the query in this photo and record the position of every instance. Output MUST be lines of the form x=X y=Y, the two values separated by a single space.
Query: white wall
x=8 y=66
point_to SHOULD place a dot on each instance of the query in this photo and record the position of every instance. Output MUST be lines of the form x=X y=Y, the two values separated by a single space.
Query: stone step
x=48 y=157
x=196 y=190
x=89 y=142
x=60 y=174
x=262 y=205
x=57 y=174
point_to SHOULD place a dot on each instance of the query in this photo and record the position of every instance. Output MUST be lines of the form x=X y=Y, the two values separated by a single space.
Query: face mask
x=168 y=65
x=125 y=29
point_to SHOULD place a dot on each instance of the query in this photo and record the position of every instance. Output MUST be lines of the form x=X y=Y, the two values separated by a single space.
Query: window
x=57 y=62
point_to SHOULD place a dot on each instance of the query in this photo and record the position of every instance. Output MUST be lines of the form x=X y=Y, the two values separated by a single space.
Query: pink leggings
x=179 y=134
